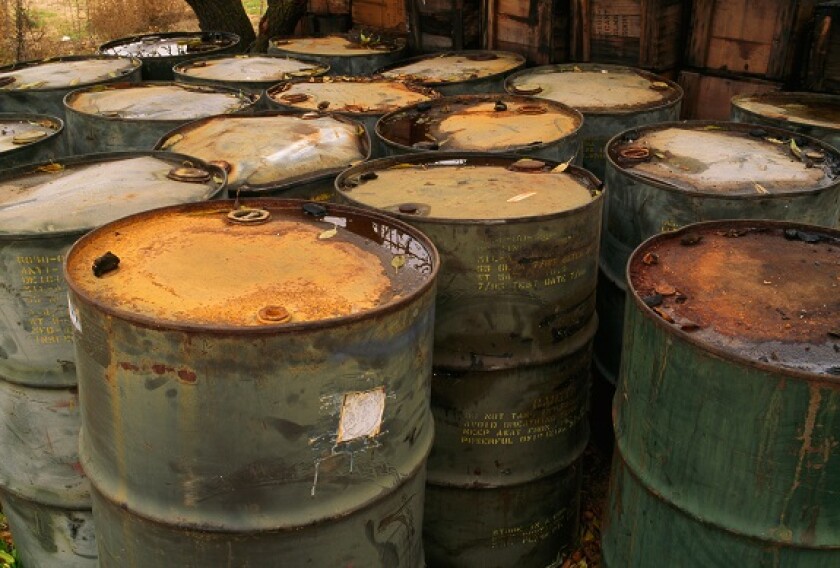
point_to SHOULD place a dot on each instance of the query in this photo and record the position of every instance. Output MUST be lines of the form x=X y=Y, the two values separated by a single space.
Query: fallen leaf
x=51 y=168
x=795 y=149
x=328 y=234
x=521 y=197
x=562 y=167
x=760 y=188
x=398 y=262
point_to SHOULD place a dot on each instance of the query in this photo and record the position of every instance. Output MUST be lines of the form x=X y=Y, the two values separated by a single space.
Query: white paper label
x=361 y=414
x=74 y=315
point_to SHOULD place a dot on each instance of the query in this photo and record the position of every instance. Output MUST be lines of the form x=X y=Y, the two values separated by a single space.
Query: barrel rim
x=86 y=159
x=134 y=66
x=288 y=183
x=28 y=116
x=236 y=40
x=793 y=96
x=674 y=331
x=400 y=45
x=417 y=158
x=723 y=125
x=287 y=206
x=520 y=59
x=179 y=70
x=568 y=67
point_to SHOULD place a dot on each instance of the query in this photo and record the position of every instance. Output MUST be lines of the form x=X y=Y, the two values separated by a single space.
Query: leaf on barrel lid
x=329 y=233
x=521 y=197
x=562 y=167
x=794 y=147
x=398 y=262
x=760 y=188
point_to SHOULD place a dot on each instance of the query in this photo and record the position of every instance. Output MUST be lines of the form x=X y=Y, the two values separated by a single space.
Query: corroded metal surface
x=289 y=153
x=322 y=460
x=484 y=123
x=726 y=412
x=246 y=71
x=134 y=116
x=40 y=86
x=812 y=114
x=160 y=52
x=458 y=72
x=612 y=99
x=346 y=54
x=29 y=138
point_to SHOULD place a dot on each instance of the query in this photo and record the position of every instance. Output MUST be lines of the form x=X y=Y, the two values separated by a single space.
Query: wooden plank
x=380 y=14
x=707 y=97
x=701 y=19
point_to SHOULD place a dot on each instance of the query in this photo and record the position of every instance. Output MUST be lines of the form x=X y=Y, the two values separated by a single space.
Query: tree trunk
x=224 y=16
x=279 y=19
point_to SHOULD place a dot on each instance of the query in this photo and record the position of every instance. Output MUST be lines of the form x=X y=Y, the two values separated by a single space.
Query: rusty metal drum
x=513 y=337
x=346 y=54
x=322 y=461
x=40 y=86
x=283 y=153
x=812 y=114
x=471 y=72
x=134 y=116
x=612 y=99
x=365 y=99
x=29 y=138
x=161 y=52
x=726 y=411
x=484 y=123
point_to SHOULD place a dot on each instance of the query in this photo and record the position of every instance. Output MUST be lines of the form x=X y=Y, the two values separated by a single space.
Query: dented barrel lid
x=454 y=67
x=241 y=68
x=596 y=89
x=767 y=292
x=272 y=148
x=725 y=158
x=62 y=73
x=798 y=109
x=252 y=264
x=337 y=45
x=484 y=123
x=18 y=131
x=468 y=187
x=81 y=193
x=353 y=95
x=175 y=44
x=158 y=101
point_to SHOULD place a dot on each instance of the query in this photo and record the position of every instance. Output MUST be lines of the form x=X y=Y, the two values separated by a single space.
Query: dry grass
x=118 y=18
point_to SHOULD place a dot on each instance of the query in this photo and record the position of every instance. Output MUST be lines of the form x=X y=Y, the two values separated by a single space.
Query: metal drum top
x=811 y=113
x=174 y=44
x=455 y=67
x=274 y=149
x=724 y=159
x=22 y=134
x=738 y=291
x=481 y=123
x=65 y=72
x=336 y=45
x=596 y=89
x=257 y=68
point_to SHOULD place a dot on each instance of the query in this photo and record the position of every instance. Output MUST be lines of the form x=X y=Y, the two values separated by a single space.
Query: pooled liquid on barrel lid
x=61 y=74
x=170 y=45
x=338 y=45
x=157 y=101
x=210 y=266
x=489 y=123
x=260 y=150
x=58 y=198
x=765 y=292
x=250 y=68
x=16 y=133
x=455 y=67
x=807 y=109
x=595 y=88
x=725 y=158
x=471 y=189
x=350 y=94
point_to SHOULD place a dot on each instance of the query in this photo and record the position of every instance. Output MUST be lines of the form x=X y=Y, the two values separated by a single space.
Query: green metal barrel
x=284 y=153
x=346 y=54
x=128 y=116
x=484 y=123
x=471 y=72
x=254 y=378
x=612 y=99
x=513 y=338
x=29 y=139
x=811 y=114
x=726 y=415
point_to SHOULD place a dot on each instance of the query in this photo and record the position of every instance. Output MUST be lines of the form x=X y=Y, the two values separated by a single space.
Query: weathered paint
x=726 y=430
x=160 y=52
x=812 y=114
x=255 y=72
x=281 y=467
x=29 y=139
x=344 y=53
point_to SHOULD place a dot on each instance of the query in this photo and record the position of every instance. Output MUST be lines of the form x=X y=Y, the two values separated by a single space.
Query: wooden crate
x=389 y=15
x=537 y=29
x=442 y=25
x=824 y=57
x=707 y=97
x=755 y=37
x=638 y=33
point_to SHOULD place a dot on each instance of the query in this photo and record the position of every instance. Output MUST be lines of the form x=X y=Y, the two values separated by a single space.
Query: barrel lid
x=454 y=67
x=271 y=148
x=356 y=95
x=82 y=193
x=482 y=123
x=250 y=68
x=173 y=44
x=64 y=72
x=157 y=101
x=19 y=131
x=596 y=88
x=336 y=45
x=805 y=109
x=768 y=292
x=206 y=265
x=468 y=187
x=725 y=158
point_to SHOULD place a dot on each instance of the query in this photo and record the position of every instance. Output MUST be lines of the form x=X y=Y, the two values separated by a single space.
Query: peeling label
x=74 y=315
x=361 y=414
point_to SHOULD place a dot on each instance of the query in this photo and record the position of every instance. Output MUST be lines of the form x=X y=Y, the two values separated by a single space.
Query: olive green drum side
x=812 y=114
